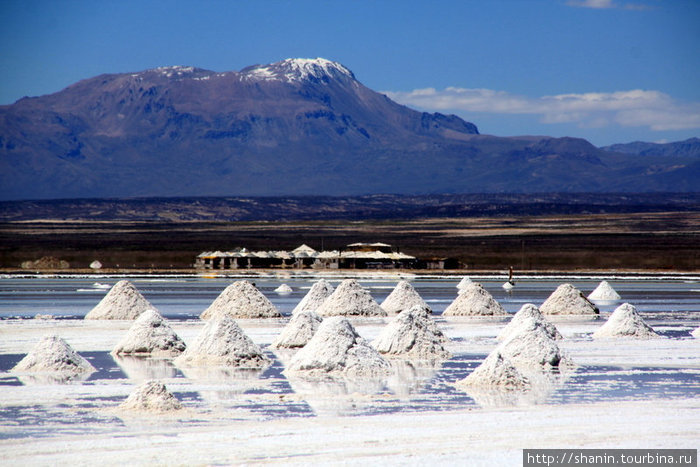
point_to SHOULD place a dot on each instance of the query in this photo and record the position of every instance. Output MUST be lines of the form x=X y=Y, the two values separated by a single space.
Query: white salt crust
x=495 y=372
x=299 y=331
x=284 y=289
x=337 y=350
x=474 y=300
x=241 y=300
x=151 y=397
x=53 y=355
x=519 y=322
x=532 y=347
x=603 y=292
x=403 y=297
x=150 y=335
x=696 y=333
x=625 y=321
x=413 y=334
x=567 y=300
x=123 y=301
x=318 y=294
x=350 y=299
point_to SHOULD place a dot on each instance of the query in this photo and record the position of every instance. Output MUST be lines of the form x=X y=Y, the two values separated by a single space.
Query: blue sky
x=605 y=70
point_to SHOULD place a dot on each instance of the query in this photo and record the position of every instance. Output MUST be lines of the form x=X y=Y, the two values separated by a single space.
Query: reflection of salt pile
x=337 y=349
x=223 y=342
x=241 y=300
x=299 y=331
x=123 y=301
x=412 y=335
x=403 y=297
x=603 y=292
x=318 y=294
x=151 y=396
x=625 y=322
x=145 y=368
x=53 y=355
x=495 y=372
x=150 y=335
x=474 y=300
x=350 y=299
x=464 y=283
x=519 y=322
x=284 y=289
x=567 y=300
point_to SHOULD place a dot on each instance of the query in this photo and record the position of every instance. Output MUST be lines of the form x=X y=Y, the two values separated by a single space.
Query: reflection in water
x=337 y=396
x=51 y=378
x=145 y=368
x=410 y=377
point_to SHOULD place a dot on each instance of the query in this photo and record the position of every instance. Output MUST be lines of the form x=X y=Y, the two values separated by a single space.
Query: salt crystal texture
x=318 y=294
x=241 y=300
x=413 y=334
x=403 y=297
x=604 y=291
x=625 y=321
x=299 y=331
x=223 y=342
x=152 y=397
x=567 y=300
x=150 y=335
x=123 y=301
x=495 y=372
x=474 y=300
x=337 y=350
x=284 y=289
x=464 y=282
x=519 y=322
x=350 y=299
x=53 y=355
x=532 y=347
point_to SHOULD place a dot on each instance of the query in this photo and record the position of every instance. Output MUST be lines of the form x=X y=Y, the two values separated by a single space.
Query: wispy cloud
x=608 y=4
x=636 y=108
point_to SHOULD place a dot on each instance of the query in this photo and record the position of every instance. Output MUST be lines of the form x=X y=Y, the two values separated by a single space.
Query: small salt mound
x=318 y=294
x=150 y=335
x=403 y=297
x=337 y=349
x=604 y=291
x=123 y=301
x=567 y=300
x=696 y=333
x=464 y=283
x=241 y=300
x=151 y=396
x=350 y=299
x=532 y=347
x=625 y=322
x=519 y=322
x=413 y=334
x=284 y=289
x=474 y=300
x=53 y=355
x=299 y=331
x=223 y=342
x=495 y=372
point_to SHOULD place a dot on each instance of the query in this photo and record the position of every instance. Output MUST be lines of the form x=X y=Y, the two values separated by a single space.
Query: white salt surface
x=151 y=397
x=413 y=334
x=150 y=335
x=696 y=333
x=123 y=301
x=567 y=300
x=299 y=331
x=241 y=300
x=532 y=346
x=350 y=299
x=474 y=300
x=284 y=289
x=604 y=292
x=625 y=322
x=403 y=297
x=53 y=355
x=319 y=292
x=519 y=322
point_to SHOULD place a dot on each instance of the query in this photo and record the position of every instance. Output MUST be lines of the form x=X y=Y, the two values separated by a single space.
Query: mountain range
x=295 y=127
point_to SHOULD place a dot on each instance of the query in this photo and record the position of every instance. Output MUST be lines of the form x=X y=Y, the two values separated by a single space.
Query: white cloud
x=607 y=4
x=635 y=108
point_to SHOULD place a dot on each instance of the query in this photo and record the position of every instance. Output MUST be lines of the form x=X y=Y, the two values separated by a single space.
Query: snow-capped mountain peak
x=299 y=69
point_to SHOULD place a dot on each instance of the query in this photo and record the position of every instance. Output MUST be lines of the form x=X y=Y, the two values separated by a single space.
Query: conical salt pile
x=567 y=300
x=53 y=355
x=241 y=300
x=151 y=396
x=350 y=299
x=337 y=349
x=222 y=342
x=123 y=301
x=519 y=322
x=403 y=297
x=474 y=300
x=625 y=322
x=150 y=335
x=532 y=347
x=284 y=289
x=604 y=291
x=696 y=333
x=495 y=372
x=463 y=283
x=413 y=334
x=299 y=331
x=318 y=294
